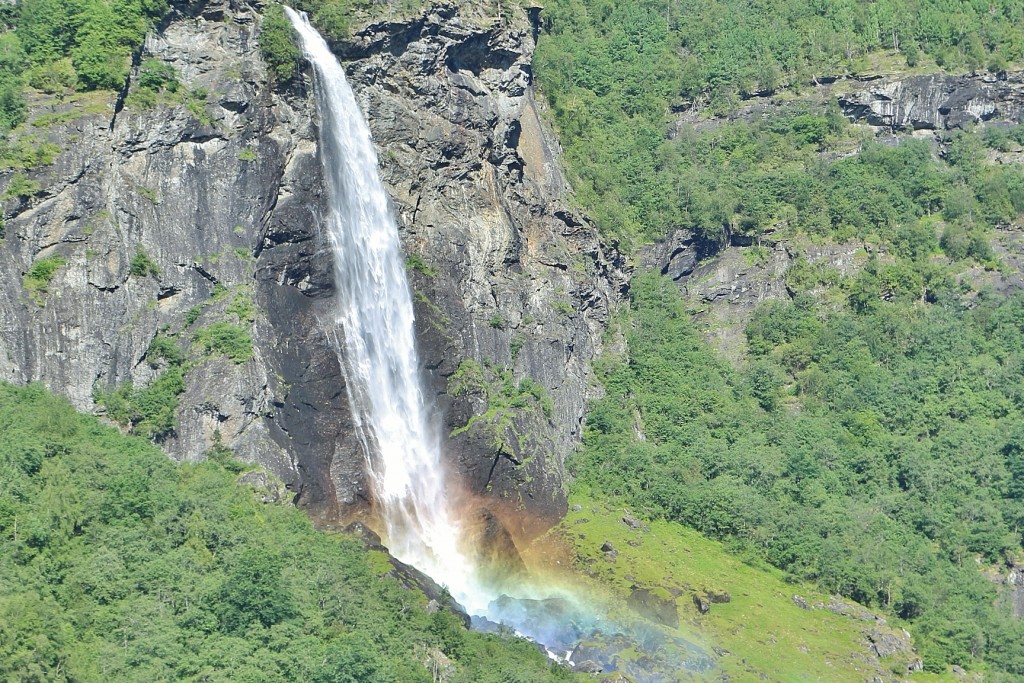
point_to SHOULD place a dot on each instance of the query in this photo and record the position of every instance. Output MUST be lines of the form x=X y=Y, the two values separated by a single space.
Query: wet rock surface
x=660 y=609
x=643 y=654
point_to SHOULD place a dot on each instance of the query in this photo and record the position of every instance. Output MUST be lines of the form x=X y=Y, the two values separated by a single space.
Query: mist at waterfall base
x=415 y=503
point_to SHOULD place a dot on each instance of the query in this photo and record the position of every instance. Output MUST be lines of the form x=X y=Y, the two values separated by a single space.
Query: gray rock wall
x=223 y=193
x=513 y=281
x=938 y=101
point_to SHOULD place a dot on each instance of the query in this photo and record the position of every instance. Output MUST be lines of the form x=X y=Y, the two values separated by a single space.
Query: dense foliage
x=277 y=45
x=614 y=71
x=870 y=441
x=61 y=45
x=877 y=452
x=116 y=564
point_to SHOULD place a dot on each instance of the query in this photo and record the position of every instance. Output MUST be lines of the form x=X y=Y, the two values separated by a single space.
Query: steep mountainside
x=172 y=249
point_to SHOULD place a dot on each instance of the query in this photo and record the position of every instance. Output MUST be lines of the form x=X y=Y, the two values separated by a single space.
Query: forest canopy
x=618 y=74
x=117 y=564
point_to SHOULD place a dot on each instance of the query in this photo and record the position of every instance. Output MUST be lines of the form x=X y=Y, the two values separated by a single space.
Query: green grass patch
x=229 y=339
x=764 y=631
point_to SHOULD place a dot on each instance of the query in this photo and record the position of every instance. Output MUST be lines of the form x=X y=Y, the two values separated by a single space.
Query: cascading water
x=376 y=344
x=376 y=340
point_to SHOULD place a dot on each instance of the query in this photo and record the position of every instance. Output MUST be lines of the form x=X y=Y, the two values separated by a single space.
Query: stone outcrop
x=512 y=282
x=725 y=290
x=219 y=186
x=937 y=102
x=893 y=104
x=1015 y=582
x=1010 y=581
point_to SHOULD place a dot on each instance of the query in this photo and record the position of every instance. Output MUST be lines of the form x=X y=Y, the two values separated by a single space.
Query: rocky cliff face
x=509 y=283
x=202 y=186
x=219 y=187
x=937 y=102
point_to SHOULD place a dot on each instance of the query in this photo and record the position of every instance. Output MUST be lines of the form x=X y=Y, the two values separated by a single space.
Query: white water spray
x=378 y=351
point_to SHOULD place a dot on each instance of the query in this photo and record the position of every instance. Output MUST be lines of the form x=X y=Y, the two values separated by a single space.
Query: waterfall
x=376 y=343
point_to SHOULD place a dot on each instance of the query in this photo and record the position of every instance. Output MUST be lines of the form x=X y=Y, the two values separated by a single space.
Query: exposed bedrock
x=509 y=284
x=220 y=188
x=937 y=101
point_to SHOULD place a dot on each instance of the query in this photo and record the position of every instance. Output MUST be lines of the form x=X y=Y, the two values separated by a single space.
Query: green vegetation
x=720 y=49
x=150 y=411
x=241 y=305
x=502 y=396
x=156 y=78
x=116 y=564
x=37 y=279
x=873 y=451
x=192 y=315
x=141 y=265
x=414 y=261
x=767 y=635
x=21 y=187
x=195 y=102
x=247 y=154
x=156 y=75
x=333 y=18
x=868 y=443
x=24 y=153
x=149 y=193
x=613 y=72
x=227 y=338
x=277 y=45
x=86 y=43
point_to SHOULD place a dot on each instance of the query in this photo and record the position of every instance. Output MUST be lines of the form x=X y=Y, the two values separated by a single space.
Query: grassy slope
x=767 y=636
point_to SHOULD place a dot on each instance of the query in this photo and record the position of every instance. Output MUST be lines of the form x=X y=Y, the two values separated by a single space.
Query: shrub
x=38 y=277
x=54 y=78
x=21 y=187
x=229 y=339
x=277 y=45
x=12 y=105
x=164 y=349
x=157 y=75
x=150 y=411
x=141 y=265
